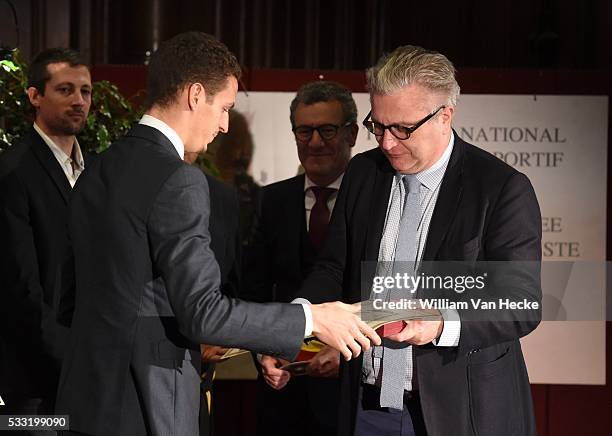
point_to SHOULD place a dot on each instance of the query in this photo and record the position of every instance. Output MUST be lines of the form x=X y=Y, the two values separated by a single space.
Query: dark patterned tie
x=319 y=216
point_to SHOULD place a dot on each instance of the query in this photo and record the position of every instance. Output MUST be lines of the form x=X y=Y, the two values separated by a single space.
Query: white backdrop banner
x=560 y=143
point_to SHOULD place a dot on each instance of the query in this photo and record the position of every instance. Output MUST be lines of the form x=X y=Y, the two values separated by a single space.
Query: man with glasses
x=426 y=195
x=291 y=230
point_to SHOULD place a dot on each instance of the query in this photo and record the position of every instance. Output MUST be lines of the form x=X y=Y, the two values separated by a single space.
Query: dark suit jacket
x=34 y=194
x=224 y=234
x=485 y=210
x=140 y=215
x=226 y=245
x=281 y=257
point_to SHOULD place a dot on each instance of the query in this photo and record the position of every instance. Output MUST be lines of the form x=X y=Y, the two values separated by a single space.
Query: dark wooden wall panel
x=332 y=34
x=540 y=407
x=580 y=410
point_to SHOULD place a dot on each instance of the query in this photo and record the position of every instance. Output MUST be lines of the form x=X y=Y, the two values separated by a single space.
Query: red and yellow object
x=312 y=347
x=390 y=328
x=308 y=350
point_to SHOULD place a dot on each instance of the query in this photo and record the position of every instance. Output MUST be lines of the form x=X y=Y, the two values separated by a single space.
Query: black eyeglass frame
x=317 y=128
x=405 y=131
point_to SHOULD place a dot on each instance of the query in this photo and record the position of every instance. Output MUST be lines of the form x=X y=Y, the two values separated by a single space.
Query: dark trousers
x=289 y=411
x=373 y=420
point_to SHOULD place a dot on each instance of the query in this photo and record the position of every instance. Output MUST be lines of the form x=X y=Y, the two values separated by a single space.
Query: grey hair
x=410 y=64
x=316 y=92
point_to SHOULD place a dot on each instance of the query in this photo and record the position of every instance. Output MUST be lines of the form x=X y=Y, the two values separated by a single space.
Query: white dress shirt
x=168 y=132
x=431 y=180
x=73 y=165
x=310 y=199
x=309 y=202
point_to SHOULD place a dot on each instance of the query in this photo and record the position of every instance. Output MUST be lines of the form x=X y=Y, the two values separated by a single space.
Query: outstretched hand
x=339 y=326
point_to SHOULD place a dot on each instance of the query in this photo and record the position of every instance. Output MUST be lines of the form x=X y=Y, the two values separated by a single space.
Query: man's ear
x=34 y=96
x=447 y=114
x=196 y=94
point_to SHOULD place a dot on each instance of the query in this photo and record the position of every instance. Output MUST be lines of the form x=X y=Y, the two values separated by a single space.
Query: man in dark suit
x=291 y=227
x=36 y=179
x=426 y=195
x=147 y=285
x=225 y=243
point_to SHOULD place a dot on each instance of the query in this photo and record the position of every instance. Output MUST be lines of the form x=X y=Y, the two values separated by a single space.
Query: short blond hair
x=410 y=64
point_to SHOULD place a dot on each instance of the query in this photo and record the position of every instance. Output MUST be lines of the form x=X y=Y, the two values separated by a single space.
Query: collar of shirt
x=310 y=199
x=59 y=154
x=432 y=176
x=167 y=131
x=335 y=184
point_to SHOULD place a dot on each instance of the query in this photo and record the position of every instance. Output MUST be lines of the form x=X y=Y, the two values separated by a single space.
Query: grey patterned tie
x=396 y=355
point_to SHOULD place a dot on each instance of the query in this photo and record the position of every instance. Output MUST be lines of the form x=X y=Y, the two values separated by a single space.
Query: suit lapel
x=378 y=211
x=51 y=165
x=155 y=136
x=447 y=202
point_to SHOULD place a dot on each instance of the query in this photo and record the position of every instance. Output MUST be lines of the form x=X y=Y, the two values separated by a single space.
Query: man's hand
x=211 y=353
x=326 y=363
x=275 y=377
x=419 y=332
x=338 y=325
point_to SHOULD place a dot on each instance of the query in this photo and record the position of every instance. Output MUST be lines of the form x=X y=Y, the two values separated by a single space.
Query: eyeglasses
x=326 y=131
x=400 y=132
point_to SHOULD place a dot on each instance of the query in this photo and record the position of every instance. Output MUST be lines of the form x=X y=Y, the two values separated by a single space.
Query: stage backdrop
x=560 y=143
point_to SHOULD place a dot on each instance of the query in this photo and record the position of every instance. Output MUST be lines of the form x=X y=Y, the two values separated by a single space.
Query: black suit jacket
x=485 y=211
x=140 y=215
x=281 y=256
x=226 y=245
x=225 y=234
x=34 y=194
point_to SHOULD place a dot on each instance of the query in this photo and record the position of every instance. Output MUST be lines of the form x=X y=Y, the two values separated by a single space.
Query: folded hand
x=275 y=377
x=211 y=353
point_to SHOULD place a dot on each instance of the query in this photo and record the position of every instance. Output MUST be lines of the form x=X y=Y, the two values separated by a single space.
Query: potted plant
x=111 y=115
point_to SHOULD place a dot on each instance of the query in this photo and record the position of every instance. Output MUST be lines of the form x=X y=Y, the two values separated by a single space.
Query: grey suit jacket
x=140 y=215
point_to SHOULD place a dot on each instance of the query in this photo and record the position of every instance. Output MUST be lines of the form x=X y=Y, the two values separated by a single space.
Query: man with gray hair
x=291 y=230
x=426 y=195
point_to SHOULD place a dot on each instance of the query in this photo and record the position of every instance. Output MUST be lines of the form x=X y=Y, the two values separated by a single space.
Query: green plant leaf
x=8 y=65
